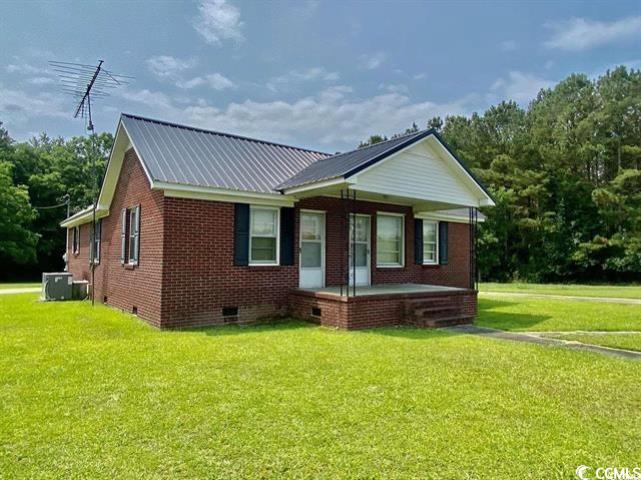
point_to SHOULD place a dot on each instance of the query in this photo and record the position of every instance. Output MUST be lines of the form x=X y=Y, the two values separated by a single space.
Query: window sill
x=130 y=266
x=386 y=267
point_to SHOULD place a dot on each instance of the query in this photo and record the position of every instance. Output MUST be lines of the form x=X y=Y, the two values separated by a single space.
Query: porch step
x=448 y=321
x=427 y=311
x=442 y=311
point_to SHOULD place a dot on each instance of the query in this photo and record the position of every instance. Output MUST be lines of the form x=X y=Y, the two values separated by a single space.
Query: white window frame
x=435 y=261
x=132 y=235
x=263 y=263
x=322 y=241
x=97 y=245
x=75 y=240
x=402 y=252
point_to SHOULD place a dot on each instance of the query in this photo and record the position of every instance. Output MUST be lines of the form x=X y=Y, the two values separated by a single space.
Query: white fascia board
x=82 y=217
x=444 y=217
x=224 y=195
x=318 y=185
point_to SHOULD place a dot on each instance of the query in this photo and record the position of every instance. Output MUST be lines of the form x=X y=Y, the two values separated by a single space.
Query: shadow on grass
x=267 y=325
x=489 y=315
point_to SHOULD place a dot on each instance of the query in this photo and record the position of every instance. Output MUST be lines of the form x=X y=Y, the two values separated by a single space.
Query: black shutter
x=418 y=241
x=241 y=234
x=287 y=221
x=442 y=243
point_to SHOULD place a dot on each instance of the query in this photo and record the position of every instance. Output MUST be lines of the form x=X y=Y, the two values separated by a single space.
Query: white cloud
x=519 y=86
x=17 y=106
x=24 y=68
x=579 y=34
x=298 y=76
x=394 y=88
x=329 y=118
x=419 y=76
x=508 y=46
x=218 y=21
x=370 y=61
x=41 y=80
x=166 y=66
x=215 y=81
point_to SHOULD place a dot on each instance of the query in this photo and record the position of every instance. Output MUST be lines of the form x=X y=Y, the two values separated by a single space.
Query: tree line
x=564 y=172
x=36 y=180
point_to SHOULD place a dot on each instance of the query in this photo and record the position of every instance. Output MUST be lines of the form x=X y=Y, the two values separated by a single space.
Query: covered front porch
x=385 y=305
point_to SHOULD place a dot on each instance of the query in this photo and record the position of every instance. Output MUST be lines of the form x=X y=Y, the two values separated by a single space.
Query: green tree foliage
x=565 y=176
x=45 y=170
x=17 y=241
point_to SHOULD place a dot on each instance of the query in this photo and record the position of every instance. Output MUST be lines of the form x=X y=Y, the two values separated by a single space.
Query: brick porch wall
x=372 y=311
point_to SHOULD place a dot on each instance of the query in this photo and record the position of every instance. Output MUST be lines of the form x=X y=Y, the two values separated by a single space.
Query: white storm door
x=359 y=250
x=312 y=250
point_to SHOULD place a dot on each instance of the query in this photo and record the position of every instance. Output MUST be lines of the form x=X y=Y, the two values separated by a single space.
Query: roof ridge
x=224 y=134
x=377 y=144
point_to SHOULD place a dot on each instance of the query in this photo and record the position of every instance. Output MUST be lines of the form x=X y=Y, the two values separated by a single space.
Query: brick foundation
x=372 y=311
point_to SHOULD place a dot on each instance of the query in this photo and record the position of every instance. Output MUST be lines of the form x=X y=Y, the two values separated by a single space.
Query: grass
x=94 y=393
x=627 y=341
x=544 y=315
x=6 y=286
x=612 y=291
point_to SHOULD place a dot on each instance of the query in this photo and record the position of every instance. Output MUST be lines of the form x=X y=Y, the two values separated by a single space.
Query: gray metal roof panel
x=344 y=164
x=175 y=153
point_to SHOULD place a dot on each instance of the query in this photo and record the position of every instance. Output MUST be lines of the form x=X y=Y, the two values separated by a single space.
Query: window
x=95 y=252
x=263 y=236
x=389 y=240
x=130 y=235
x=75 y=242
x=134 y=224
x=430 y=242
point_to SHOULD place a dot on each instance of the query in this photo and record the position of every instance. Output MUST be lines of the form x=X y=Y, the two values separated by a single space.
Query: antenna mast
x=84 y=82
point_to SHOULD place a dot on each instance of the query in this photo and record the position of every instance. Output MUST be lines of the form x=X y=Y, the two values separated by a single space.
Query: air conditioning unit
x=57 y=286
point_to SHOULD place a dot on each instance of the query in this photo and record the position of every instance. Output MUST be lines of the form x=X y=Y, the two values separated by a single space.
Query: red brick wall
x=200 y=277
x=126 y=287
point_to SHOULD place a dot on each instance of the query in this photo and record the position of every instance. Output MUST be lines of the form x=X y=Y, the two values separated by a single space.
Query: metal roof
x=179 y=154
x=348 y=163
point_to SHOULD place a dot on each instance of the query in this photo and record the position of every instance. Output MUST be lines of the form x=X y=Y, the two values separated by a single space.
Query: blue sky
x=316 y=73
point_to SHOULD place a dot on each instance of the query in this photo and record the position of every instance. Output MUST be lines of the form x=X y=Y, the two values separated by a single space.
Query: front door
x=312 y=250
x=359 y=250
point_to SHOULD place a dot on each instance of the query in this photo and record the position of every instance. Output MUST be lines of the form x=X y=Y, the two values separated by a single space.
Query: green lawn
x=613 y=291
x=544 y=315
x=628 y=341
x=94 y=393
x=5 y=286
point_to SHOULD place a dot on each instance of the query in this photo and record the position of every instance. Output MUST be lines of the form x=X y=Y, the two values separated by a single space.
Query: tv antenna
x=87 y=83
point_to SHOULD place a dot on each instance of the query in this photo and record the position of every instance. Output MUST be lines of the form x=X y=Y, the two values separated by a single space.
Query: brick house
x=198 y=228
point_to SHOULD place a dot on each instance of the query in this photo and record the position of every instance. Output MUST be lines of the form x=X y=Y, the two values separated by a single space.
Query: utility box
x=57 y=286
x=80 y=290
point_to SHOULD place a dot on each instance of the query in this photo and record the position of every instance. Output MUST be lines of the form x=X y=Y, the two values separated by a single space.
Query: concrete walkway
x=626 y=301
x=529 y=338
x=12 y=291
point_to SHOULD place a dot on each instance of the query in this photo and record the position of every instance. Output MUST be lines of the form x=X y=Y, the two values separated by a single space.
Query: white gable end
x=420 y=172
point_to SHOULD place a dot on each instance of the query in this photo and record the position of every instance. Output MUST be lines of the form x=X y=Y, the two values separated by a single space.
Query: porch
x=382 y=305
